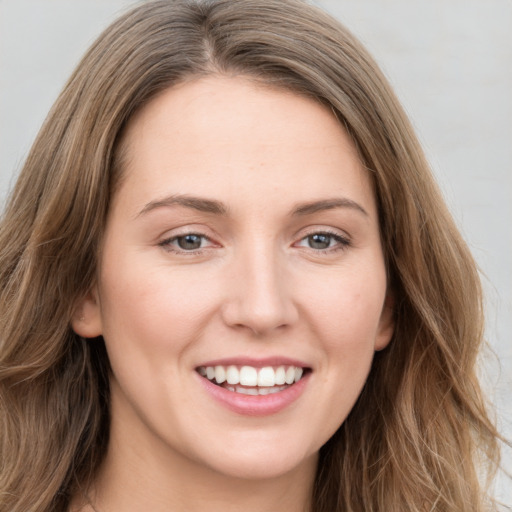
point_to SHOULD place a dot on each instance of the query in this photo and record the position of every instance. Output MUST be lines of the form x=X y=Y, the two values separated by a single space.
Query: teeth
x=290 y=375
x=248 y=376
x=266 y=378
x=232 y=375
x=220 y=374
x=249 y=391
x=280 y=376
x=255 y=391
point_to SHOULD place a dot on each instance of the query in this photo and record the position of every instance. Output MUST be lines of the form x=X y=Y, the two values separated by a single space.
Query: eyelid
x=343 y=239
x=167 y=241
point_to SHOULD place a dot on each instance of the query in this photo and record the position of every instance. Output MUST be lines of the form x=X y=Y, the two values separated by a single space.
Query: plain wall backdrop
x=450 y=62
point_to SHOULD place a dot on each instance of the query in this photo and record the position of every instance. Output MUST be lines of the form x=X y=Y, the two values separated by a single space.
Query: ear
x=86 y=319
x=386 y=323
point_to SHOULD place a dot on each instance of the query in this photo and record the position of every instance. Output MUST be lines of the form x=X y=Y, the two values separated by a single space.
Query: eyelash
x=167 y=244
x=341 y=242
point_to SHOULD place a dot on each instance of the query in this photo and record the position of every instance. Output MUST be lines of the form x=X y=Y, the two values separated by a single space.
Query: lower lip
x=256 y=405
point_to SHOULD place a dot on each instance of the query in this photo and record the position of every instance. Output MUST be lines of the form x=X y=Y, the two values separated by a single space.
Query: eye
x=186 y=243
x=323 y=241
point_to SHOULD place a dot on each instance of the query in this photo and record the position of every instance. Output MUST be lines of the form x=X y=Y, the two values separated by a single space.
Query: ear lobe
x=86 y=319
x=386 y=323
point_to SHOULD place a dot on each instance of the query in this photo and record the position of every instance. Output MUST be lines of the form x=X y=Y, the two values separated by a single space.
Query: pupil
x=189 y=242
x=319 y=241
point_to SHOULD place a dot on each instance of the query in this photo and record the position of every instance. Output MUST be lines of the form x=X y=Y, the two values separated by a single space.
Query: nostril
x=260 y=308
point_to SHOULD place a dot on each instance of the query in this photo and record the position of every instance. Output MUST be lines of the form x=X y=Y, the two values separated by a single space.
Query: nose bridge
x=260 y=298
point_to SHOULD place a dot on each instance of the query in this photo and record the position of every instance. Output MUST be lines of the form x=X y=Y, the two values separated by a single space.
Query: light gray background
x=450 y=62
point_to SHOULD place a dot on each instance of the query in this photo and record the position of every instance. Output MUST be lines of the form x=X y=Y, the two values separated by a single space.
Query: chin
x=261 y=464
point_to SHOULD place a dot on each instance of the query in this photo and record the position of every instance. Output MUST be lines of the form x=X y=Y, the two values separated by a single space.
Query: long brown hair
x=419 y=435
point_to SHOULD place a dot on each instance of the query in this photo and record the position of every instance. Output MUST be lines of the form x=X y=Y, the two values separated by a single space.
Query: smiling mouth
x=249 y=380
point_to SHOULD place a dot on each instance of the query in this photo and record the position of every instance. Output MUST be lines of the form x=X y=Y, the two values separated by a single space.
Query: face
x=241 y=290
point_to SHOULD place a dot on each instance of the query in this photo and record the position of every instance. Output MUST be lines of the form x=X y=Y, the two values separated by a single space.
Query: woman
x=229 y=280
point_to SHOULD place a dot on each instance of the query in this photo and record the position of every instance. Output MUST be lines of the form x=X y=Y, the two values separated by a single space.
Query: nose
x=259 y=290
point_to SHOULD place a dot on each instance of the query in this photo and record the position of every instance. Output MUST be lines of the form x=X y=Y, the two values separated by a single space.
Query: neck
x=124 y=487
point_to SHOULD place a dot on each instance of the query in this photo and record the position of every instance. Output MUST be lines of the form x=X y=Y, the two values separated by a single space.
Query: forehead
x=232 y=137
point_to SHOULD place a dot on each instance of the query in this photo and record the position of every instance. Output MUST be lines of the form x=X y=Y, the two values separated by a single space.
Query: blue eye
x=324 y=241
x=320 y=241
x=186 y=243
x=189 y=242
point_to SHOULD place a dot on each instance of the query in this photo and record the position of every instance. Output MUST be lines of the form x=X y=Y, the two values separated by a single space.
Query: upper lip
x=255 y=362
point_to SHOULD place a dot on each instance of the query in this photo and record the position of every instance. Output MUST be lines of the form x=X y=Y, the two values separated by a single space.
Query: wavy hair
x=419 y=437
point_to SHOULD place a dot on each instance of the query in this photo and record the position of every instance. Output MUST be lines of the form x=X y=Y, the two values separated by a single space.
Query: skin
x=256 y=288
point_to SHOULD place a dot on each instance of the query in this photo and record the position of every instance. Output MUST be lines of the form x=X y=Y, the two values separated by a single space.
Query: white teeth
x=270 y=391
x=266 y=378
x=232 y=375
x=220 y=374
x=248 y=376
x=280 y=378
x=255 y=391
x=290 y=375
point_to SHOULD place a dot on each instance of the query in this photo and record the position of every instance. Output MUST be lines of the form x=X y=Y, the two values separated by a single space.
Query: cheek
x=142 y=302
x=346 y=311
x=344 y=316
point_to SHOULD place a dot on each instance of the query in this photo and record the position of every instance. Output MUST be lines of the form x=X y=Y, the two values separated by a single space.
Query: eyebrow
x=328 y=204
x=195 y=203
x=218 y=208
